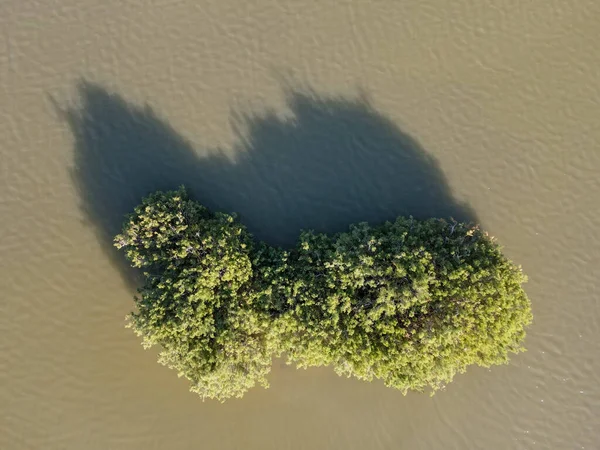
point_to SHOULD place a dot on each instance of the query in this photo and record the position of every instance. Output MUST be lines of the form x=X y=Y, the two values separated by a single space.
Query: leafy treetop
x=410 y=302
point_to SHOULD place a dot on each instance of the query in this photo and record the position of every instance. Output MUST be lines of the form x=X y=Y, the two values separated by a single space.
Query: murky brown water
x=294 y=114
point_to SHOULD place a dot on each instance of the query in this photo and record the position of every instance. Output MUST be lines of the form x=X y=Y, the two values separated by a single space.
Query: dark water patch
x=335 y=161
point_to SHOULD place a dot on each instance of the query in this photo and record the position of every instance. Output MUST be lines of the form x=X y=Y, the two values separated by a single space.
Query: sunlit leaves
x=408 y=302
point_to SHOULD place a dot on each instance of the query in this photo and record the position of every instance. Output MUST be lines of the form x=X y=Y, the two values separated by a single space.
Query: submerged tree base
x=410 y=302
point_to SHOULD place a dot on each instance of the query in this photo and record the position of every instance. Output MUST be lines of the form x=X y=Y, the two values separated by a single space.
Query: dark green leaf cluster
x=409 y=302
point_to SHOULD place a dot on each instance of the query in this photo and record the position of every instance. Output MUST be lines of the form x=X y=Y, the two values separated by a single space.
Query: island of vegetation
x=410 y=302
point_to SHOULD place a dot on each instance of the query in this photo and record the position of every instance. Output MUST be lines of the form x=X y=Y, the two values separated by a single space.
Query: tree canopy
x=410 y=302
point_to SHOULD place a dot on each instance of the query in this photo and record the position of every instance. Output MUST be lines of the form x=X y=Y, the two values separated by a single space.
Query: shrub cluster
x=410 y=302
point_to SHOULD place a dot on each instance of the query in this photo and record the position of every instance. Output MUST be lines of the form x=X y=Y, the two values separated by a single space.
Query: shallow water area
x=295 y=115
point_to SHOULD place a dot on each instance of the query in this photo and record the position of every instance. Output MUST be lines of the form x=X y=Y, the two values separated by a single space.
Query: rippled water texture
x=296 y=115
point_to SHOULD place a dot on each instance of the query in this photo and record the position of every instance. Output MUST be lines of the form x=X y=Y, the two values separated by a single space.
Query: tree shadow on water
x=336 y=161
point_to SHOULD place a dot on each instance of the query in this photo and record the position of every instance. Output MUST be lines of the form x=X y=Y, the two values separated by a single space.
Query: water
x=295 y=116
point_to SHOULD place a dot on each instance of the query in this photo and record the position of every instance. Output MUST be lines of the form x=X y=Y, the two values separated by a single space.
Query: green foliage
x=409 y=302
x=195 y=301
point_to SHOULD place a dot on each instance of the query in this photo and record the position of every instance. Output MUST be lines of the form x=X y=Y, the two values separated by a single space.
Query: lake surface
x=303 y=114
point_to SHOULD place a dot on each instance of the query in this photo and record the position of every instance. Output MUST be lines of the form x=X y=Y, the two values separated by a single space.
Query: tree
x=409 y=302
x=195 y=303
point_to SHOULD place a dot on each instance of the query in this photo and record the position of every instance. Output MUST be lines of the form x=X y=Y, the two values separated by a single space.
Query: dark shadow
x=334 y=162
